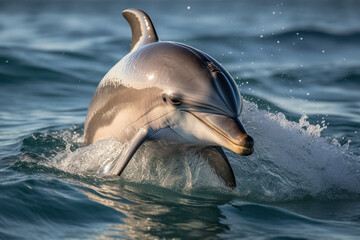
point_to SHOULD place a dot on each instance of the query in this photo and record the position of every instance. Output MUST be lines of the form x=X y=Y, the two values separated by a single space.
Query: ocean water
x=297 y=64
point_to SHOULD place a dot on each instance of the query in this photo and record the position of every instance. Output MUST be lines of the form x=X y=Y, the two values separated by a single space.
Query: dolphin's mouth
x=230 y=129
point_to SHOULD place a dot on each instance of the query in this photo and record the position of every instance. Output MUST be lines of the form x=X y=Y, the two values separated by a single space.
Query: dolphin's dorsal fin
x=143 y=31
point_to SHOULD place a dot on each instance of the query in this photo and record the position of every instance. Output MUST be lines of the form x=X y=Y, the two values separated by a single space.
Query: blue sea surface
x=297 y=64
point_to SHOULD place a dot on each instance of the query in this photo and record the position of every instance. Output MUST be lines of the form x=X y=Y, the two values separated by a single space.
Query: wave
x=305 y=33
x=30 y=204
x=349 y=80
x=296 y=35
x=26 y=64
x=243 y=216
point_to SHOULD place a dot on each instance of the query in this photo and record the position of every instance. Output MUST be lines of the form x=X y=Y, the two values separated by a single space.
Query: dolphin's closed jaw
x=231 y=132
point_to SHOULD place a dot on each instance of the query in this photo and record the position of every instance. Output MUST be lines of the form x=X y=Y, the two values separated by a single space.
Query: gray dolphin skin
x=168 y=92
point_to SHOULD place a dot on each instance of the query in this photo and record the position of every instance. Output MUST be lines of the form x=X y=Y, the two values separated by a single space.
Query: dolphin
x=163 y=90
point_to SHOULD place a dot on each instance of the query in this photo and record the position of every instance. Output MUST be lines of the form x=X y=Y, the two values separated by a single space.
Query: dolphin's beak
x=231 y=133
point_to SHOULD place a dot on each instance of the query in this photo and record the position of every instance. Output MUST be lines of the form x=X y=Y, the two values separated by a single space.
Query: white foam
x=291 y=159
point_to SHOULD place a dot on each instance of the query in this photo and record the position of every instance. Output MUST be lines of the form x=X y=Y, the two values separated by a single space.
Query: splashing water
x=180 y=170
x=291 y=161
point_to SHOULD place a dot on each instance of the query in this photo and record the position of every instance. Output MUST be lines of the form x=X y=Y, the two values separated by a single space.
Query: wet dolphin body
x=170 y=91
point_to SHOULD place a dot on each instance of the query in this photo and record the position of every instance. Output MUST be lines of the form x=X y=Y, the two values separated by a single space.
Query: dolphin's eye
x=175 y=100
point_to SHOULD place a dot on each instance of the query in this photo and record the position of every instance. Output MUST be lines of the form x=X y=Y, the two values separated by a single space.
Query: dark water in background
x=298 y=66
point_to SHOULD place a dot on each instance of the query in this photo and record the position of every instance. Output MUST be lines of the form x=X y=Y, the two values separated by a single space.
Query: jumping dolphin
x=168 y=91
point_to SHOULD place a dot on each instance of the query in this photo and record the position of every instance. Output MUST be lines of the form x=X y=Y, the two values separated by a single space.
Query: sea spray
x=291 y=160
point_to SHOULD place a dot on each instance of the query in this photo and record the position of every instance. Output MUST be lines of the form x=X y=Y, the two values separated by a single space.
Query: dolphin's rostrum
x=168 y=91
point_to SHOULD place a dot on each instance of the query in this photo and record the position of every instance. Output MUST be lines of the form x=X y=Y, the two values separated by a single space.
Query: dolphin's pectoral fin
x=219 y=162
x=142 y=29
x=128 y=152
